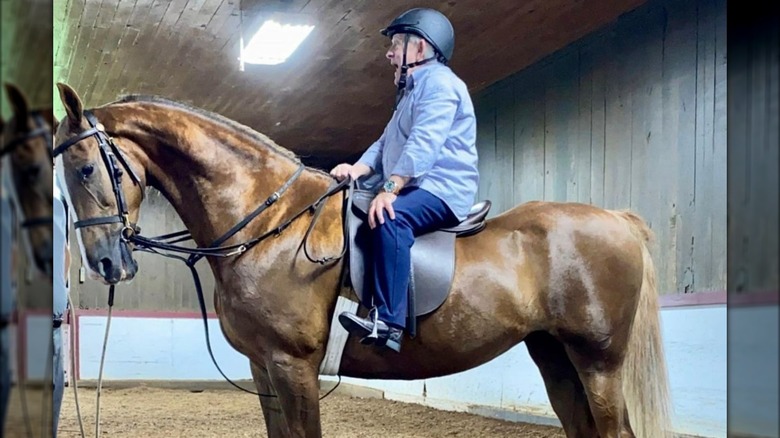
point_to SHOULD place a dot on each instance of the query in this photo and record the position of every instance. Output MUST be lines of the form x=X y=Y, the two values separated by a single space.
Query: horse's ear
x=72 y=103
x=18 y=101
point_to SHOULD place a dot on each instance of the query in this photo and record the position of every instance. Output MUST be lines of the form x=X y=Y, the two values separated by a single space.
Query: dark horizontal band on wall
x=754 y=299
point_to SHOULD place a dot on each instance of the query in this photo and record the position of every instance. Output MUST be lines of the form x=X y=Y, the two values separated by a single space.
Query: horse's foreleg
x=272 y=408
x=296 y=383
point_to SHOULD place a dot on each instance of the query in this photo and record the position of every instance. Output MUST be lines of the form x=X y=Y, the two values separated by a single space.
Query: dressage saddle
x=432 y=255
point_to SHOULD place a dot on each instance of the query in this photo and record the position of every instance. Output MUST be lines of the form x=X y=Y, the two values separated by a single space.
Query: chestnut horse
x=575 y=282
x=26 y=151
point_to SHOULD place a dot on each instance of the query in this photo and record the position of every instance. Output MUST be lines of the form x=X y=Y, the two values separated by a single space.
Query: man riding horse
x=427 y=157
x=576 y=283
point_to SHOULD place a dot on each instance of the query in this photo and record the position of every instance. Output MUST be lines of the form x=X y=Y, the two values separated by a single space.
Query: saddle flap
x=433 y=268
x=432 y=255
x=361 y=201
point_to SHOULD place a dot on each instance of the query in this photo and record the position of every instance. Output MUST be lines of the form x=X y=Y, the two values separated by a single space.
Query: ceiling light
x=274 y=43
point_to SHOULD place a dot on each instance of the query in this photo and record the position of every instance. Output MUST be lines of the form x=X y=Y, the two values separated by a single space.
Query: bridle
x=111 y=155
x=131 y=232
x=40 y=131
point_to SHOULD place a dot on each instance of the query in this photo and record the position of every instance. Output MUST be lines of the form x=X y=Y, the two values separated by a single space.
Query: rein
x=131 y=232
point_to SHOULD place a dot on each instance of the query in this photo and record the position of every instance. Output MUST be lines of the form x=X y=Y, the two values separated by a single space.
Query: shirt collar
x=419 y=74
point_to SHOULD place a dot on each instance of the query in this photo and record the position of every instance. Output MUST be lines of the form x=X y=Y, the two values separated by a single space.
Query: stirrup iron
x=371 y=338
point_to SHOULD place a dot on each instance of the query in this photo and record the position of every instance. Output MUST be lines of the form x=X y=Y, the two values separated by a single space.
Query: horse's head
x=104 y=191
x=26 y=149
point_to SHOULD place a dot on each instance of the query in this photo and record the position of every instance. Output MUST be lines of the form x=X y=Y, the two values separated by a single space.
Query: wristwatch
x=390 y=186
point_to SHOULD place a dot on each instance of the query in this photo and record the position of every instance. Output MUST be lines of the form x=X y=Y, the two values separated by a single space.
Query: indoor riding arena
x=620 y=104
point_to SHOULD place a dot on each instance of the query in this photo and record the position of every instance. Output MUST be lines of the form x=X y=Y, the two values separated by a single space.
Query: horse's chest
x=239 y=329
x=232 y=332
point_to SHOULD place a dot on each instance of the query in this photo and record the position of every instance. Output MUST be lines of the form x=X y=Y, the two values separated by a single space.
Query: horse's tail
x=645 y=379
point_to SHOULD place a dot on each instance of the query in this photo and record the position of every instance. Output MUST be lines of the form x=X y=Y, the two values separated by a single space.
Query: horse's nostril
x=106 y=264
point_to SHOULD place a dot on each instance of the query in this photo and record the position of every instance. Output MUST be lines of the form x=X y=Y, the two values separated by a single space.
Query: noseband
x=111 y=154
x=40 y=131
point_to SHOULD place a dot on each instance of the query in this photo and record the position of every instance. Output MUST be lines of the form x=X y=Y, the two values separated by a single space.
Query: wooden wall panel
x=631 y=117
x=486 y=131
x=529 y=131
x=559 y=110
x=503 y=166
x=754 y=119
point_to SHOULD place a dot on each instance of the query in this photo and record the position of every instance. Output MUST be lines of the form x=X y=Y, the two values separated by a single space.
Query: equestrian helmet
x=429 y=24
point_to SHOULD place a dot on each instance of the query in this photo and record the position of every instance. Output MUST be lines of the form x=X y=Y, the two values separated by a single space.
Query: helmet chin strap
x=404 y=69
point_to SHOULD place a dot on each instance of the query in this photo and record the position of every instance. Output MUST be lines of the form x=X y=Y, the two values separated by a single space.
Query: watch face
x=389 y=186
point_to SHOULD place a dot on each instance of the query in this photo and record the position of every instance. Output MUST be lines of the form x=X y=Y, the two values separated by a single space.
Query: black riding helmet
x=428 y=24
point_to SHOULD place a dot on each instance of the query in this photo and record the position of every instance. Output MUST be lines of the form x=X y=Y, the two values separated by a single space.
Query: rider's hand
x=342 y=171
x=381 y=203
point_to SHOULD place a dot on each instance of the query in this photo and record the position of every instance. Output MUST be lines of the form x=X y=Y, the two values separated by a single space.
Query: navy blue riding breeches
x=416 y=212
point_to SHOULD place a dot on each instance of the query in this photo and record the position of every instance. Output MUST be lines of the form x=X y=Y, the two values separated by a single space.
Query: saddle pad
x=432 y=255
x=337 y=338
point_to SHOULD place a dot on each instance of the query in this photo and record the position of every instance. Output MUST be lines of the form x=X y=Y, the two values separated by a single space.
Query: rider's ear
x=72 y=103
x=18 y=102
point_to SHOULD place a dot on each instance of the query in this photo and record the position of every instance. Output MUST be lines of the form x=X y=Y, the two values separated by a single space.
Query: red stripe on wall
x=694 y=299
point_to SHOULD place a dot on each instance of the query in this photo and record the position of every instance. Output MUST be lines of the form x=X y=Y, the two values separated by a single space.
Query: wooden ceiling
x=332 y=98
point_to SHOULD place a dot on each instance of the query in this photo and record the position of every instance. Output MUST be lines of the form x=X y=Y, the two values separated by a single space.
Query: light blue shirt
x=8 y=238
x=60 y=281
x=431 y=138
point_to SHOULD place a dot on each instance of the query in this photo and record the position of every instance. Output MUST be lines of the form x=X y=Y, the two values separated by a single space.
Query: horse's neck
x=215 y=179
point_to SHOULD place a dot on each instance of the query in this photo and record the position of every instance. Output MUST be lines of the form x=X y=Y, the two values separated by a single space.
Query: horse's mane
x=217 y=118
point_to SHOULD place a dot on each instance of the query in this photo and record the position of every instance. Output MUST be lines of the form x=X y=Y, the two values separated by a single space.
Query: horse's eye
x=32 y=172
x=87 y=170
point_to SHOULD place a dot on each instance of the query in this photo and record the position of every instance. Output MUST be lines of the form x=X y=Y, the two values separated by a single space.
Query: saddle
x=432 y=255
